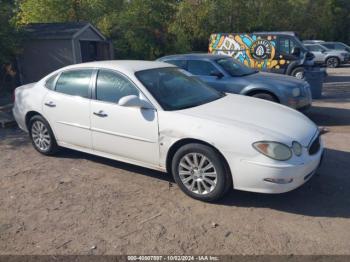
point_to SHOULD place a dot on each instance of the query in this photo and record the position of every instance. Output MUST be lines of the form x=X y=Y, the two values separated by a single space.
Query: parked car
x=336 y=46
x=305 y=42
x=328 y=57
x=156 y=115
x=226 y=74
x=277 y=52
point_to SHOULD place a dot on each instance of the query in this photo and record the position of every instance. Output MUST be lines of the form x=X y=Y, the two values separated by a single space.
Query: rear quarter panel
x=28 y=98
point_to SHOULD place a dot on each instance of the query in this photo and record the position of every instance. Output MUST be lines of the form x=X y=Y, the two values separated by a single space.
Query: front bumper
x=251 y=175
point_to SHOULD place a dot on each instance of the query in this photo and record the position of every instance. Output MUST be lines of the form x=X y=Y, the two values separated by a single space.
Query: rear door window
x=50 y=83
x=74 y=82
x=339 y=47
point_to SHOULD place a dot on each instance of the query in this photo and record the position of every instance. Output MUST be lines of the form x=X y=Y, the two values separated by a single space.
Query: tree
x=98 y=12
x=147 y=29
x=9 y=36
x=141 y=30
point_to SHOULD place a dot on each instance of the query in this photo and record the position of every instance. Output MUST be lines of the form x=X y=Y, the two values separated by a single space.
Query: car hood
x=275 y=79
x=271 y=120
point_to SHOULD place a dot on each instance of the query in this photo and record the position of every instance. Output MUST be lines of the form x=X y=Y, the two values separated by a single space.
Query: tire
x=265 y=96
x=298 y=72
x=332 y=62
x=193 y=176
x=42 y=136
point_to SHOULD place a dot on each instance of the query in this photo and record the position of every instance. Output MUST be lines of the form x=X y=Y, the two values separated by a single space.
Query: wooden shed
x=50 y=46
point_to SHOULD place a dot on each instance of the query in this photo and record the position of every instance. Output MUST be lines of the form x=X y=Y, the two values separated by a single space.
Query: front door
x=129 y=133
x=319 y=53
x=67 y=108
x=284 y=53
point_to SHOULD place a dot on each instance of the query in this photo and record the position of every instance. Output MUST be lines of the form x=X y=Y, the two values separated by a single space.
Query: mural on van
x=253 y=51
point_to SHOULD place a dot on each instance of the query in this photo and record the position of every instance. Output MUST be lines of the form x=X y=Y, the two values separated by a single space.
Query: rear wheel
x=265 y=96
x=200 y=172
x=332 y=62
x=42 y=136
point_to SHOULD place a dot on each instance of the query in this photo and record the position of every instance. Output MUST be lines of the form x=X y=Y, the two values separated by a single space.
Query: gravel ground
x=75 y=203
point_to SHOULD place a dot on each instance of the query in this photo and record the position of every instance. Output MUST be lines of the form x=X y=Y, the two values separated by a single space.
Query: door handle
x=100 y=114
x=50 y=104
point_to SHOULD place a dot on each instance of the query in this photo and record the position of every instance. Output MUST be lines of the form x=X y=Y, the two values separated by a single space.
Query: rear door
x=67 y=107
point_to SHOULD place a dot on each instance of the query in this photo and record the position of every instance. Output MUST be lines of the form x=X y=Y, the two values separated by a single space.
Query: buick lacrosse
x=158 y=116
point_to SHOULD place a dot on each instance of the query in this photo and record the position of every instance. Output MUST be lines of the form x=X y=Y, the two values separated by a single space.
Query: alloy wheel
x=332 y=62
x=197 y=173
x=40 y=135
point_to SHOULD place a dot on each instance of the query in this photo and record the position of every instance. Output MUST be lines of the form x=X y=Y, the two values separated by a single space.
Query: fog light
x=297 y=148
x=279 y=180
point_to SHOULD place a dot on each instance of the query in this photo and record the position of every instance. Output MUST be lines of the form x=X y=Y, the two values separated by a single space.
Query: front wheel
x=332 y=62
x=200 y=172
x=298 y=72
x=42 y=136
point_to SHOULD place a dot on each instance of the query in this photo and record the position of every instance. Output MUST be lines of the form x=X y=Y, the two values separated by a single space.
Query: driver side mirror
x=217 y=74
x=134 y=101
x=296 y=51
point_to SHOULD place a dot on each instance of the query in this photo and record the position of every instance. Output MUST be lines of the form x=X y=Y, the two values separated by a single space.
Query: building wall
x=40 y=57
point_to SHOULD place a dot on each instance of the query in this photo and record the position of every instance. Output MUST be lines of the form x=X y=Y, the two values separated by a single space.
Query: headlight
x=296 y=92
x=274 y=150
x=297 y=148
x=344 y=54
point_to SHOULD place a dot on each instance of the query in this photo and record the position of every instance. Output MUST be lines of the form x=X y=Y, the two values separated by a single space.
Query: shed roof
x=66 y=30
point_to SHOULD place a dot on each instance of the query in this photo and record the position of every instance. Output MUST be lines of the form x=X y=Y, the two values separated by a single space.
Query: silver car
x=336 y=46
x=230 y=76
x=328 y=57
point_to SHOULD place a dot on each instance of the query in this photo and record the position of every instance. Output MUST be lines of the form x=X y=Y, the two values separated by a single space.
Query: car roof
x=193 y=56
x=126 y=66
x=332 y=43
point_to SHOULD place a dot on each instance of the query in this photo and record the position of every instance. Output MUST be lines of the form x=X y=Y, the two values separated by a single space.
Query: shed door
x=94 y=50
x=88 y=51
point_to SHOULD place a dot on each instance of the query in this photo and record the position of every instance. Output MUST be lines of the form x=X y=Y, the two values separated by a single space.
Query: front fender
x=270 y=89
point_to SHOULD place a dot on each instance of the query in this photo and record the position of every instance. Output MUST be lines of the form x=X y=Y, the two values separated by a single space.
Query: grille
x=315 y=146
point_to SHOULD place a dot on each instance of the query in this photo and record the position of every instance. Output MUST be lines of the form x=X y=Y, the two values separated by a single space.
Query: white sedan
x=158 y=116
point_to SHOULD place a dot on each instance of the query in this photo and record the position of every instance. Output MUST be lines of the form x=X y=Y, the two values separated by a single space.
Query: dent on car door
x=125 y=132
x=67 y=107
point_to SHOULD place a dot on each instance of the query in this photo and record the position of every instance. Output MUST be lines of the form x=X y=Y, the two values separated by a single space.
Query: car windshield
x=234 y=68
x=176 y=89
